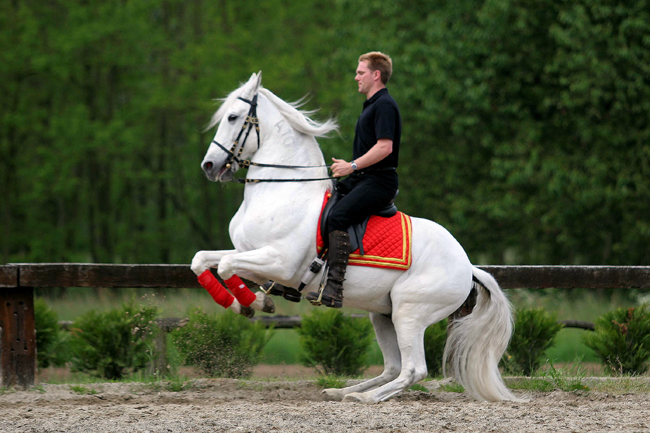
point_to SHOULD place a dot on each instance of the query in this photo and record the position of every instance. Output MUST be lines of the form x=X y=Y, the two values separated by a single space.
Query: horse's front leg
x=243 y=300
x=204 y=260
x=261 y=264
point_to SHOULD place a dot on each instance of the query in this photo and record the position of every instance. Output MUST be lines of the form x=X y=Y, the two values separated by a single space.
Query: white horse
x=274 y=234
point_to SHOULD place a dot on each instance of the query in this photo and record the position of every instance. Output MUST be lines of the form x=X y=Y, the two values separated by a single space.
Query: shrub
x=335 y=344
x=622 y=340
x=115 y=343
x=535 y=331
x=221 y=345
x=435 y=338
x=47 y=332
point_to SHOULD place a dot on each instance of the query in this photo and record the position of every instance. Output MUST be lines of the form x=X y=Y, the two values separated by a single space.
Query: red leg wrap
x=215 y=289
x=240 y=290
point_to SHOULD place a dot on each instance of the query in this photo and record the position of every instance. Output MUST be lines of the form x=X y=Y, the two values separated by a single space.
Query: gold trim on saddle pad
x=402 y=262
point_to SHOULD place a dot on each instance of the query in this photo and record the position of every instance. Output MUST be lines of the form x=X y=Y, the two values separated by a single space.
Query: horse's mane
x=298 y=119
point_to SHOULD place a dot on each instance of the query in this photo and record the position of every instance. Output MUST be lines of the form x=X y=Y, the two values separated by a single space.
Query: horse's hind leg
x=410 y=324
x=387 y=340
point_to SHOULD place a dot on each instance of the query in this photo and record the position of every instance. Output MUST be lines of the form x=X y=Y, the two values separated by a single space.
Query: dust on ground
x=269 y=404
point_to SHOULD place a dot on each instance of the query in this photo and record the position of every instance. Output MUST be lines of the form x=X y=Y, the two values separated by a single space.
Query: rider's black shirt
x=380 y=118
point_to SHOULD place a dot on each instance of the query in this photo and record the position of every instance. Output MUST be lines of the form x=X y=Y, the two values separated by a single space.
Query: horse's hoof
x=354 y=397
x=333 y=393
x=247 y=312
x=269 y=306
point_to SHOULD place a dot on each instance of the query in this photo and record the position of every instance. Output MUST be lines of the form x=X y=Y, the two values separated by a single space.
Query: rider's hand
x=341 y=168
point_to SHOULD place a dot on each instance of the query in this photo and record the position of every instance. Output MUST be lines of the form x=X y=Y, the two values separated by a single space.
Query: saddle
x=356 y=231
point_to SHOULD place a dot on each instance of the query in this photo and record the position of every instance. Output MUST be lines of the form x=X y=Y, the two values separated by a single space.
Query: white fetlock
x=238 y=308
x=258 y=303
x=235 y=307
x=263 y=303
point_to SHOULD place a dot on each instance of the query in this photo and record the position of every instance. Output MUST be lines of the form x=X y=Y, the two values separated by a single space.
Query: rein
x=253 y=121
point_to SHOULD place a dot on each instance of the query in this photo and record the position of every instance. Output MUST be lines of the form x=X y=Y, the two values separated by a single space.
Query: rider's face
x=364 y=77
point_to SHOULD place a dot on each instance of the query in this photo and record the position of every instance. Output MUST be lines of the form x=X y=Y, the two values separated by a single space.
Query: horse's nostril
x=207 y=165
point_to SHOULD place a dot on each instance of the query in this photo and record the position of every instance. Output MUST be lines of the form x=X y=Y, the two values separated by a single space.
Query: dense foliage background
x=526 y=123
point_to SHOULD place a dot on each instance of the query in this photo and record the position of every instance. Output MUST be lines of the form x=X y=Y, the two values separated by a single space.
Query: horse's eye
x=232 y=118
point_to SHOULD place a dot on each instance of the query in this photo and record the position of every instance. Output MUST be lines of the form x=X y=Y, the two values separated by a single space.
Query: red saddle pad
x=387 y=242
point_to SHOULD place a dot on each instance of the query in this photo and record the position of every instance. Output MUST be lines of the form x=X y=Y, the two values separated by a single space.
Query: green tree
x=525 y=127
x=525 y=122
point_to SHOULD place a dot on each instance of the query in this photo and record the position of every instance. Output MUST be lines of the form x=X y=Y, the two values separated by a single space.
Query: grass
x=418 y=387
x=451 y=387
x=82 y=390
x=569 y=346
x=172 y=384
x=622 y=385
x=283 y=348
x=570 y=379
x=331 y=382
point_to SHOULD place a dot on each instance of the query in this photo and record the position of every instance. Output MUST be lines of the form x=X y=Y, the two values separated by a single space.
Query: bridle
x=250 y=122
x=253 y=121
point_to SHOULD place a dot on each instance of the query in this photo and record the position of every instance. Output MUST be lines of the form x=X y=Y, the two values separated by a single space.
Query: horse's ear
x=259 y=81
x=253 y=85
x=252 y=79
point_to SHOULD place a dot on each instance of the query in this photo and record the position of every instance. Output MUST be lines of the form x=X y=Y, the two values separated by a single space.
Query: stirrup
x=316 y=302
x=275 y=289
x=269 y=289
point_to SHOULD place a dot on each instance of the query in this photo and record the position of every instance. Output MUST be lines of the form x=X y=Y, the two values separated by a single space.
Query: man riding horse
x=372 y=181
x=273 y=234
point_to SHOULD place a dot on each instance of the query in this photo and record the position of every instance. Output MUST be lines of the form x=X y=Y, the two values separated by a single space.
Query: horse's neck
x=286 y=146
x=283 y=145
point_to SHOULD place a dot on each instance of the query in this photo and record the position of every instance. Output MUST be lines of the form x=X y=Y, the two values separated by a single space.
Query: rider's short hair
x=378 y=61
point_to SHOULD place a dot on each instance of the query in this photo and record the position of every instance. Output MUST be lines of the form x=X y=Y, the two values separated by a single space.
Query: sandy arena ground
x=275 y=405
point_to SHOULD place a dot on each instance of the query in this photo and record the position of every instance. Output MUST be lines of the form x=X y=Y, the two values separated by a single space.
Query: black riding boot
x=338 y=255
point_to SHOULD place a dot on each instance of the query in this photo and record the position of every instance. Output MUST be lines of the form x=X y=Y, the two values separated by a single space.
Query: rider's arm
x=379 y=151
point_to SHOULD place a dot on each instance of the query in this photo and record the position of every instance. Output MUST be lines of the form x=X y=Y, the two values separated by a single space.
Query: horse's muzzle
x=216 y=174
x=208 y=169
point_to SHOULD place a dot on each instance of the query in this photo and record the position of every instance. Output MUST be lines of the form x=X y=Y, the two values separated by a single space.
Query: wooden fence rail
x=18 y=281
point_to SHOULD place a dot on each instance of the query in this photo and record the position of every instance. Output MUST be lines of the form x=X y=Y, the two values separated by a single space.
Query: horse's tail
x=476 y=343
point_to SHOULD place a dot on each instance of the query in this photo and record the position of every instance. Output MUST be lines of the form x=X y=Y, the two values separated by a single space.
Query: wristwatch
x=354 y=166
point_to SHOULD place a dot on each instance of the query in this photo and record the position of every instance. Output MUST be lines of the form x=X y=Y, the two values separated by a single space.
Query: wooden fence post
x=18 y=343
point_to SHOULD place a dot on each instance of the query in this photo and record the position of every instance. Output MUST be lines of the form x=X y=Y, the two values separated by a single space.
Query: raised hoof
x=247 y=312
x=269 y=306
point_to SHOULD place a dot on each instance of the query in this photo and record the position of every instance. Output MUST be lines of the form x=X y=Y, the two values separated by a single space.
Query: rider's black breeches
x=364 y=195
